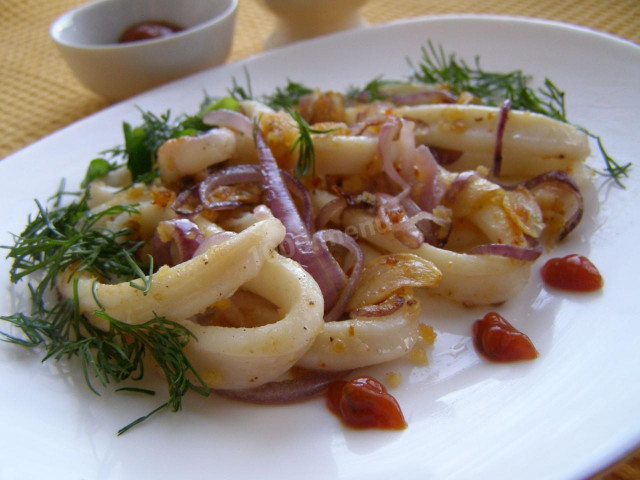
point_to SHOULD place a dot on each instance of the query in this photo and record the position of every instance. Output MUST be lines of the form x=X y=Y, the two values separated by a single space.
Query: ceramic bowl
x=88 y=39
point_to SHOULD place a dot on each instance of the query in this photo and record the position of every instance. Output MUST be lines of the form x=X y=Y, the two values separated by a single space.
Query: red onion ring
x=185 y=237
x=527 y=254
x=245 y=174
x=429 y=191
x=297 y=237
x=299 y=190
x=433 y=232
x=341 y=238
x=390 y=133
x=185 y=198
x=562 y=178
x=405 y=232
x=226 y=176
x=334 y=207
x=497 y=152
x=230 y=119
x=285 y=391
x=360 y=128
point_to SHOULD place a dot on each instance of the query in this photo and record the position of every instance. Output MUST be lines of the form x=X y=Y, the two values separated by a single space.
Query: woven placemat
x=38 y=93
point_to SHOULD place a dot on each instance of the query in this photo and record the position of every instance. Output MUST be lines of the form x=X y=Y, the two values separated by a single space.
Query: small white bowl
x=88 y=37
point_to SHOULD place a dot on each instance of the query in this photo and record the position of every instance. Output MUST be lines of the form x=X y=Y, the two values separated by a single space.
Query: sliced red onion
x=286 y=391
x=299 y=190
x=527 y=254
x=382 y=309
x=391 y=215
x=408 y=234
x=361 y=127
x=184 y=240
x=562 y=178
x=389 y=134
x=227 y=176
x=429 y=191
x=337 y=276
x=229 y=119
x=187 y=202
x=428 y=224
x=341 y=238
x=328 y=211
x=297 y=238
x=497 y=152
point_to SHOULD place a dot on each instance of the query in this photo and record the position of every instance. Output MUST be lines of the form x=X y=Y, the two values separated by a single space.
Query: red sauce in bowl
x=148 y=31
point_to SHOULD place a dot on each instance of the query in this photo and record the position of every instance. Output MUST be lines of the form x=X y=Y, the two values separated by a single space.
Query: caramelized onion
x=226 y=176
x=187 y=202
x=563 y=179
x=387 y=307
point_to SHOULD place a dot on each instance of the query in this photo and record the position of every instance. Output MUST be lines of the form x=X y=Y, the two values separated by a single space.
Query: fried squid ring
x=359 y=342
x=469 y=279
x=188 y=155
x=531 y=143
x=234 y=358
x=188 y=288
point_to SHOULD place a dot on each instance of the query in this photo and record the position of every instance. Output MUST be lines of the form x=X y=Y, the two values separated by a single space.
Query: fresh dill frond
x=612 y=168
x=492 y=88
x=71 y=240
x=141 y=143
x=287 y=97
x=98 y=167
x=238 y=92
x=304 y=144
x=113 y=355
x=70 y=236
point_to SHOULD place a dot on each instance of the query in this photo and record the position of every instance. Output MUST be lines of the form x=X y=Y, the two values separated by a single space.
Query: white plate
x=565 y=415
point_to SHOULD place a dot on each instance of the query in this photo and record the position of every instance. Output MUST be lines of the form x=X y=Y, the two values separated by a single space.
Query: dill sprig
x=493 y=88
x=286 y=97
x=70 y=240
x=114 y=355
x=70 y=236
x=304 y=144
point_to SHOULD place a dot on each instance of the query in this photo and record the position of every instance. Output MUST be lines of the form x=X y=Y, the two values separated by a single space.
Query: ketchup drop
x=573 y=272
x=499 y=341
x=364 y=403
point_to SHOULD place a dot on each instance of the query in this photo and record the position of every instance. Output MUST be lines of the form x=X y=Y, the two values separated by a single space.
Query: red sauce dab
x=364 y=403
x=499 y=341
x=148 y=31
x=573 y=272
